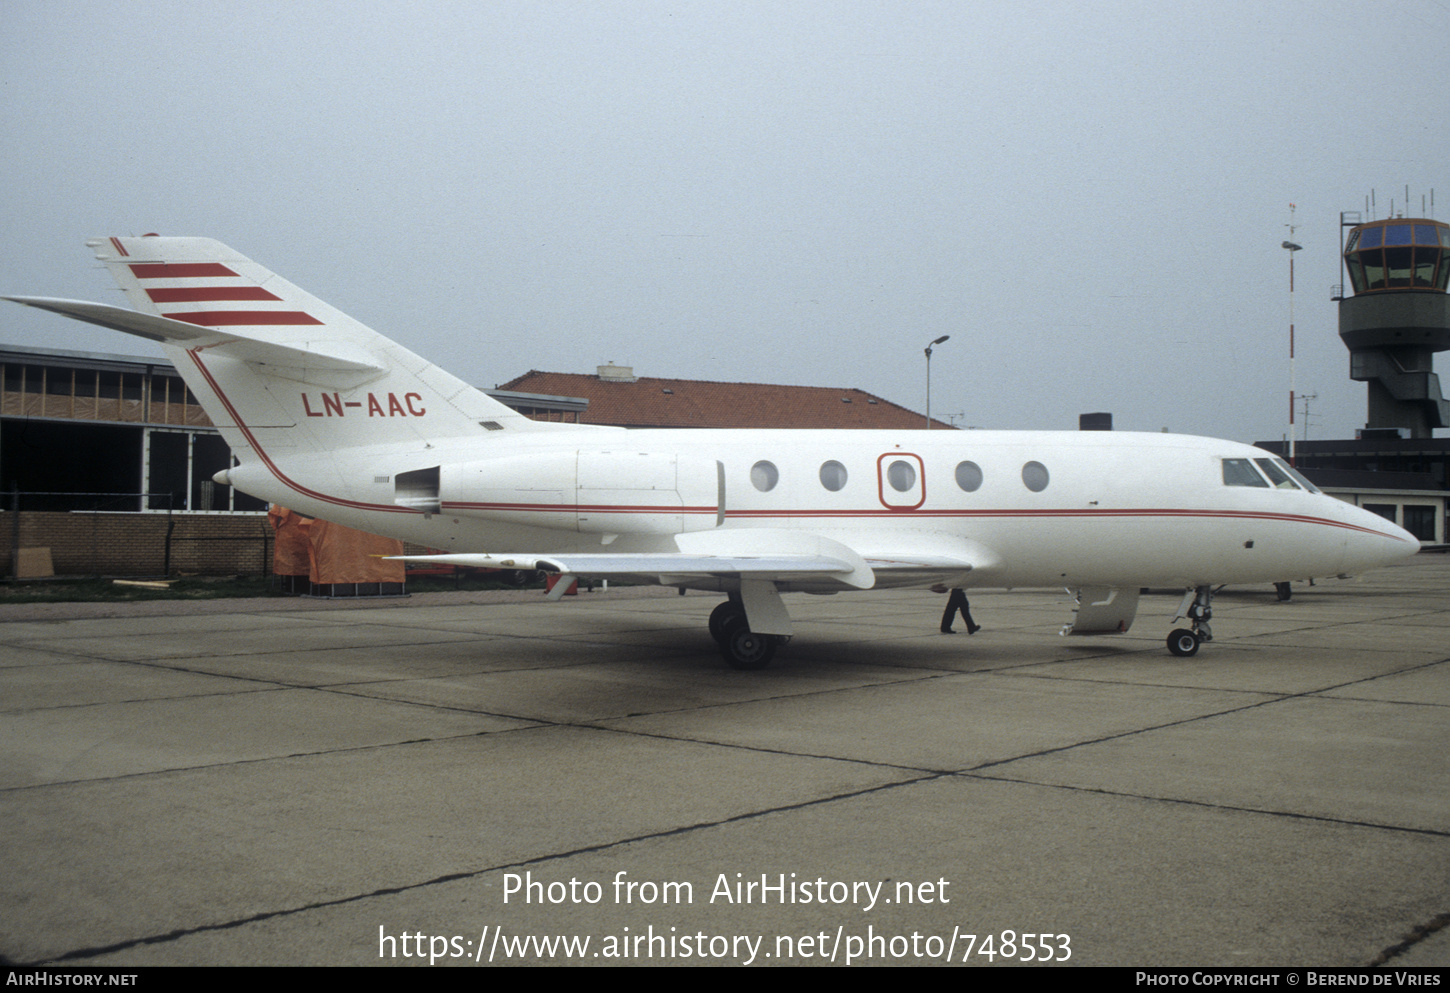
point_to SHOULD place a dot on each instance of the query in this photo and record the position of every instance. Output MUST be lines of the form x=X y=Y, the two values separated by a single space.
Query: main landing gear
x=1184 y=642
x=741 y=647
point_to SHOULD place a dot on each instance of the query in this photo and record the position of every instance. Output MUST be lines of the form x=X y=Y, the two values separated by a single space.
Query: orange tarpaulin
x=342 y=555
x=290 y=555
x=335 y=554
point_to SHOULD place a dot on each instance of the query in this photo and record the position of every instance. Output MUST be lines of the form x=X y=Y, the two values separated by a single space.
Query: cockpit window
x=1278 y=476
x=1298 y=476
x=1240 y=472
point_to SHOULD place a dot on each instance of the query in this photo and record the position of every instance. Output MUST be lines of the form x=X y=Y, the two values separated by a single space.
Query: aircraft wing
x=665 y=568
x=768 y=555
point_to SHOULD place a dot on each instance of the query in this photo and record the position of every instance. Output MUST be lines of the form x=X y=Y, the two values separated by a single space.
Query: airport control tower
x=1397 y=318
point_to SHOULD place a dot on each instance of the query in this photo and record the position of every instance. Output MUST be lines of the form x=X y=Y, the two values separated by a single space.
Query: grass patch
x=104 y=590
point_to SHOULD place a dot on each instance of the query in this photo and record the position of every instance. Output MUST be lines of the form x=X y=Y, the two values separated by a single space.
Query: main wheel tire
x=1182 y=642
x=744 y=649
x=724 y=614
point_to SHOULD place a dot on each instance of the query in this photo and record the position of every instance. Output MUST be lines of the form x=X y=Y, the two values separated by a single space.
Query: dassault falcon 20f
x=333 y=420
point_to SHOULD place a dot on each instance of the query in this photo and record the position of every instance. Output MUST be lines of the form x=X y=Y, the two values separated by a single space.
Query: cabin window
x=901 y=475
x=1276 y=475
x=1034 y=476
x=1240 y=472
x=833 y=475
x=764 y=476
x=969 y=476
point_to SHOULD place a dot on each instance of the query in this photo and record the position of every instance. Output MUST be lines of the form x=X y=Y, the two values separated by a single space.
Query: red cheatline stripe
x=580 y=508
x=178 y=270
x=188 y=294
x=120 y=248
x=244 y=318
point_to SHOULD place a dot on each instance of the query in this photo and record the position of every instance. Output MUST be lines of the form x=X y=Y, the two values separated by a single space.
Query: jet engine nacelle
x=607 y=492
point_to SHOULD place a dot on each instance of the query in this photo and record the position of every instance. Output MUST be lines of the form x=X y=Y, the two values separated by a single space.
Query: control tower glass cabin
x=1398 y=317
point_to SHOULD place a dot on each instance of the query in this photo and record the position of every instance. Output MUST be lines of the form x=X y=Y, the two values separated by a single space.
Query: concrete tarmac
x=304 y=782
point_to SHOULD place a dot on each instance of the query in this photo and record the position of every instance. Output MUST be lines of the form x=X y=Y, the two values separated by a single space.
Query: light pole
x=928 y=377
x=1292 y=247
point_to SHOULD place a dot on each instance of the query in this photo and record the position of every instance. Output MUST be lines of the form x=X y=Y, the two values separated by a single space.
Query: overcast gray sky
x=1088 y=197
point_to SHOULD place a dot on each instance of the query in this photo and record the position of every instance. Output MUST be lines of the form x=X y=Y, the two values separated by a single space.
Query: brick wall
x=89 y=544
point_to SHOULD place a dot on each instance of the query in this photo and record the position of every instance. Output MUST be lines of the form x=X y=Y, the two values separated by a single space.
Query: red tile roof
x=692 y=403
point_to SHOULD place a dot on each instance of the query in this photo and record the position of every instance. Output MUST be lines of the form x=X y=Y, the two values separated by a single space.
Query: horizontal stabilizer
x=119 y=319
x=292 y=359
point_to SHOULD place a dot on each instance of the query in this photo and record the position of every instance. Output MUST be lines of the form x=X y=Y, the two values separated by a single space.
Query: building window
x=71 y=465
x=1385 y=510
x=179 y=467
x=1420 y=520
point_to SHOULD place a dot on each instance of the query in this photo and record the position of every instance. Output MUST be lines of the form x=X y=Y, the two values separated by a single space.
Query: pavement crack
x=1208 y=805
x=1417 y=934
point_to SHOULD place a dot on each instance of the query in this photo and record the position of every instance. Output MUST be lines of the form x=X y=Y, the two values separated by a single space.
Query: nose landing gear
x=1196 y=606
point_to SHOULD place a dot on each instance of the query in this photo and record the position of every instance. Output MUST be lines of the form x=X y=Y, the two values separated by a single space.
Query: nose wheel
x=1196 y=607
x=1182 y=642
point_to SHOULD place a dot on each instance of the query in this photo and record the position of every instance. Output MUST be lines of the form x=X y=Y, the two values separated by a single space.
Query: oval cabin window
x=833 y=475
x=1034 y=476
x=901 y=475
x=969 y=476
x=764 y=476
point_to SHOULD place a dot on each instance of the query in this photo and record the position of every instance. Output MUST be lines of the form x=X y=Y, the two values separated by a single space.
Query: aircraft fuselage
x=1043 y=508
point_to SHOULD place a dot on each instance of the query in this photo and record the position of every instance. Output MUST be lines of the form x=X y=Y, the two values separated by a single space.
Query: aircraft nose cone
x=1378 y=542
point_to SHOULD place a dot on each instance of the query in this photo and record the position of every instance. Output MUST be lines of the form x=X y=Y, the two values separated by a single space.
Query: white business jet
x=335 y=421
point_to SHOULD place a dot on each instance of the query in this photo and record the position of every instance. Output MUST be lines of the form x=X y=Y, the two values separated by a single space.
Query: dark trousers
x=957 y=601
